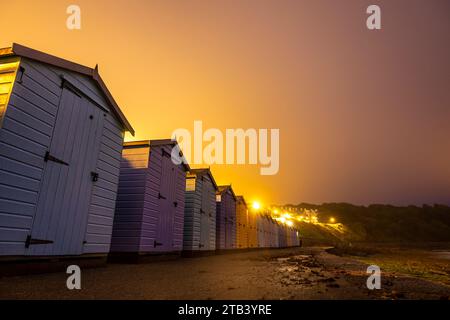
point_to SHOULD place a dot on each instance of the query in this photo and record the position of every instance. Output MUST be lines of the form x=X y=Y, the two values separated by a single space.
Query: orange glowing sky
x=364 y=116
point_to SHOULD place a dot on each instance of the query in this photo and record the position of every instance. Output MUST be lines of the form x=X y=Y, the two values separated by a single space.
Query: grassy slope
x=379 y=223
x=401 y=240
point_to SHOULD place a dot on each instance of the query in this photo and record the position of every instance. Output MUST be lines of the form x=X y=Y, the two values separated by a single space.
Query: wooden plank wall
x=24 y=138
x=128 y=219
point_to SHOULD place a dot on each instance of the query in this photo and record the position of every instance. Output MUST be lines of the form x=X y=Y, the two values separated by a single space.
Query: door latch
x=49 y=157
x=160 y=196
x=30 y=241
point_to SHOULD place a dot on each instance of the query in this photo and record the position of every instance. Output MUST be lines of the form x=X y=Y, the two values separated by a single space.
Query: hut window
x=7 y=75
x=218 y=198
x=190 y=184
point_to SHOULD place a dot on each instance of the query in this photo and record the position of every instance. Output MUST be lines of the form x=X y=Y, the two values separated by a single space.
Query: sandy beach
x=291 y=274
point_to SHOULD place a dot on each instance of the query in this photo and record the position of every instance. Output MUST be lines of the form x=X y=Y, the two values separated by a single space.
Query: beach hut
x=252 y=233
x=225 y=218
x=260 y=230
x=298 y=241
x=294 y=237
x=241 y=223
x=149 y=213
x=274 y=236
x=61 y=135
x=289 y=242
x=262 y=225
x=200 y=211
x=282 y=236
x=267 y=231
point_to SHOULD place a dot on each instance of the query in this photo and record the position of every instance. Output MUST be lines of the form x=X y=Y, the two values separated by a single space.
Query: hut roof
x=241 y=199
x=222 y=189
x=22 y=51
x=204 y=171
x=156 y=143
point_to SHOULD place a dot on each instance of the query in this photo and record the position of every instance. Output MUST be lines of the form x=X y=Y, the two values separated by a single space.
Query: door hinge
x=30 y=241
x=160 y=196
x=94 y=176
x=49 y=157
x=156 y=244
x=20 y=74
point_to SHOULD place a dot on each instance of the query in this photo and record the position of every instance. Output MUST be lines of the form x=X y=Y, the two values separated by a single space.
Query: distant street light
x=256 y=205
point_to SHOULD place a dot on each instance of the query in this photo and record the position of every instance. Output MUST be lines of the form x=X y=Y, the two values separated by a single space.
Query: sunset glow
x=268 y=66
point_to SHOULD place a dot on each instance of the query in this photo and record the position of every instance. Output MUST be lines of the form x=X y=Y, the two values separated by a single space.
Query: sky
x=364 y=115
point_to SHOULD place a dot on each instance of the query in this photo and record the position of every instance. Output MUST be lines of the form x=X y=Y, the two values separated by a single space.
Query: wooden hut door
x=226 y=221
x=164 y=238
x=205 y=215
x=173 y=205
x=229 y=223
x=60 y=221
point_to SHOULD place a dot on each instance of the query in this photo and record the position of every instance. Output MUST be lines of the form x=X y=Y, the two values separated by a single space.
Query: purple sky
x=364 y=116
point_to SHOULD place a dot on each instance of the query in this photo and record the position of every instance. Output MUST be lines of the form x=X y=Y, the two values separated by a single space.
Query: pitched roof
x=156 y=143
x=203 y=171
x=241 y=199
x=22 y=51
x=223 y=189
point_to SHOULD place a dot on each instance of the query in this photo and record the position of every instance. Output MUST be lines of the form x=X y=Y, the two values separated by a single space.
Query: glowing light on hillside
x=332 y=220
x=289 y=223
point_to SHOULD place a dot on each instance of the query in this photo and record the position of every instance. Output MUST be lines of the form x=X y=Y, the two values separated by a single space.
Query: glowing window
x=8 y=71
x=218 y=198
x=190 y=184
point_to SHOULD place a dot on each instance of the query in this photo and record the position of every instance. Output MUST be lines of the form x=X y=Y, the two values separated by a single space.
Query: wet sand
x=296 y=273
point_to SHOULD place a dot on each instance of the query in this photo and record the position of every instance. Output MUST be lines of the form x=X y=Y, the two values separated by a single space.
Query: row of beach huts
x=71 y=187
